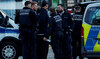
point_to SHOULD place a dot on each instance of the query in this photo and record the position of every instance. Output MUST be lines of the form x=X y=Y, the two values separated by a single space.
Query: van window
x=92 y=16
x=1 y=18
x=4 y=21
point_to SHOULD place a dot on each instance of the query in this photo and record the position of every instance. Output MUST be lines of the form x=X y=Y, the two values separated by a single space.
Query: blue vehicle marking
x=9 y=31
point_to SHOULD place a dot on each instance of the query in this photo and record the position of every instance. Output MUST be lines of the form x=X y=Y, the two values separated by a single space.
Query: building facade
x=11 y=6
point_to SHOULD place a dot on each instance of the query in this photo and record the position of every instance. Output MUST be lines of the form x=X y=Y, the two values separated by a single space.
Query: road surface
x=50 y=55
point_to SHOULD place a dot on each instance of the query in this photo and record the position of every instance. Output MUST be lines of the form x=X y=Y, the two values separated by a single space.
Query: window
x=4 y=21
x=1 y=18
x=93 y=16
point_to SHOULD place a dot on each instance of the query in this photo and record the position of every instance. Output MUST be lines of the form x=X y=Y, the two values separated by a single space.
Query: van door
x=91 y=27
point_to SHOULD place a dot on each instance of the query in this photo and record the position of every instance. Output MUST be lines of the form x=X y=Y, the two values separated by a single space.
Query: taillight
x=82 y=33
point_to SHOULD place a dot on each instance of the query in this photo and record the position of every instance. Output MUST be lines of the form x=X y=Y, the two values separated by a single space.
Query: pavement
x=50 y=55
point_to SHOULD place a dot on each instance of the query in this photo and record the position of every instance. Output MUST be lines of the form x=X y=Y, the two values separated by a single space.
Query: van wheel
x=9 y=50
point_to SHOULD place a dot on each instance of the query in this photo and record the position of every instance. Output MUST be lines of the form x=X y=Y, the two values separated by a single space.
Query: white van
x=10 y=46
x=90 y=34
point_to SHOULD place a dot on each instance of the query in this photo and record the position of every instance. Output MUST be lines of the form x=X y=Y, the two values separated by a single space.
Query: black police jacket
x=67 y=21
x=59 y=24
x=56 y=22
x=27 y=19
x=78 y=22
x=43 y=22
x=54 y=25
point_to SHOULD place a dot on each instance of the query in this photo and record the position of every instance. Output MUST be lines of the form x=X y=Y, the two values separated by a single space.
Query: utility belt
x=59 y=30
x=33 y=28
x=65 y=32
x=62 y=30
x=25 y=26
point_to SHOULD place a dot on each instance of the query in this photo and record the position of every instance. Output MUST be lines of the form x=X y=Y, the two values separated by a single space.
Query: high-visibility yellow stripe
x=86 y=32
x=97 y=46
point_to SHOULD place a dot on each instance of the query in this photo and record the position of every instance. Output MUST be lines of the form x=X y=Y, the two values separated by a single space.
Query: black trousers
x=42 y=48
x=29 y=46
x=62 y=46
x=76 y=43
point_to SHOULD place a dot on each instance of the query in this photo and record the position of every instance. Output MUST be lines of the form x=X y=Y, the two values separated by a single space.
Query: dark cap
x=27 y=3
x=44 y=3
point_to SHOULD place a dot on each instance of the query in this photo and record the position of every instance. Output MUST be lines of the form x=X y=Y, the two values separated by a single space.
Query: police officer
x=55 y=30
x=35 y=7
x=27 y=21
x=42 y=49
x=76 y=34
x=60 y=27
x=67 y=29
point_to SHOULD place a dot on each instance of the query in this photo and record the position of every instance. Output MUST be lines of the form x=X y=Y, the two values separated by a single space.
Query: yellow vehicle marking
x=97 y=46
x=86 y=32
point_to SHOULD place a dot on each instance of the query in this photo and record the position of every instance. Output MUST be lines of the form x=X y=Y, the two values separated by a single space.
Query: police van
x=10 y=44
x=90 y=34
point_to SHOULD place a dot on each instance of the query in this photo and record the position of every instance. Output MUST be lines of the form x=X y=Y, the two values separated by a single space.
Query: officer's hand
x=70 y=30
x=44 y=38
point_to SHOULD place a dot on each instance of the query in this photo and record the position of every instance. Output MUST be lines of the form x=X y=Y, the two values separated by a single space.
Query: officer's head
x=60 y=7
x=77 y=9
x=34 y=5
x=28 y=4
x=44 y=5
x=52 y=10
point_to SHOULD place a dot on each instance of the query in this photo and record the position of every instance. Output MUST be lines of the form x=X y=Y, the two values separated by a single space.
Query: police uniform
x=67 y=26
x=42 y=48
x=60 y=27
x=76 y=35
x=27 y=21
